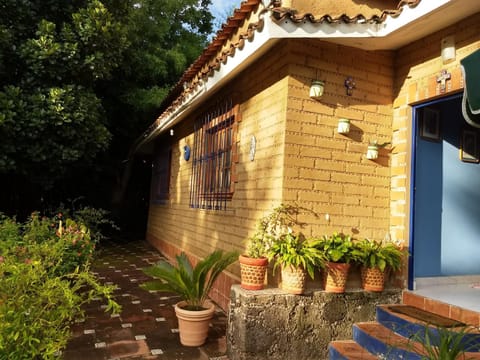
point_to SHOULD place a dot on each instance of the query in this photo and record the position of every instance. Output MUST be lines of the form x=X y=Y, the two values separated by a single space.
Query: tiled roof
x=210 y=60
x=227 y=38
x=332 y=11
x=342 y=11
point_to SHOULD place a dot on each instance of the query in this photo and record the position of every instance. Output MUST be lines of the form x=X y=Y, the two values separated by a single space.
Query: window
x=213 y=158
x=161 y=175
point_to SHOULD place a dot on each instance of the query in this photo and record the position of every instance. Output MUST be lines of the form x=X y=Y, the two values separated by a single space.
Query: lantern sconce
x=343 y=126
x=316 y=89
x=172 y=132
x=372 y=150
x=448 y=49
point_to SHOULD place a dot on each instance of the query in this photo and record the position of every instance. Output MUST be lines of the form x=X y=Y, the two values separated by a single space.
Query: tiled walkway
x=147 y=326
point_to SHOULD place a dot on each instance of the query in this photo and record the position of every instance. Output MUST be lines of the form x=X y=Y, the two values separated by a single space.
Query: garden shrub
x=45 y=279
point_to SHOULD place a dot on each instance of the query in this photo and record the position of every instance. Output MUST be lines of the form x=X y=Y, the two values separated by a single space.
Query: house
x=240 y=133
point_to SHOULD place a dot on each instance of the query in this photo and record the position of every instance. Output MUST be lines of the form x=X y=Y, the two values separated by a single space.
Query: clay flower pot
x=373 y=279
x=193 y=325
x=294 y=279
x=252 y=271
x=336 y=277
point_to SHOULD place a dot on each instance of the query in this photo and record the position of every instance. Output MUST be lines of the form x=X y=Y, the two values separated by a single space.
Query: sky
x=223 y=8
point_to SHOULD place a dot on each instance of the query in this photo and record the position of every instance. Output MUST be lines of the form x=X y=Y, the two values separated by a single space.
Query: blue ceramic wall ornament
x=186 y=152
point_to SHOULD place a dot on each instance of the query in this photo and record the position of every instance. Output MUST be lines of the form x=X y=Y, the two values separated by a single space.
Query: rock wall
x=270 y=324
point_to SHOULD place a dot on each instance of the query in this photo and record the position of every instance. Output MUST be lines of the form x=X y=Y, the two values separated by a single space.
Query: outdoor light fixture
x=343 y=126
x=316 y=89
x=448 y=49
x=171 y=132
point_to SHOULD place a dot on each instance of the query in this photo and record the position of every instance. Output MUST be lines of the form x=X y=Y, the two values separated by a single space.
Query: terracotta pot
x=193 y=325
x=294 y=279
x=252 y=271
x=336 y=277
x=373 y=279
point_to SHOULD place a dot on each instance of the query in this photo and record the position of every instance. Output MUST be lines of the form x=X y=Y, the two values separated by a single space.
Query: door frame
x=413 y=151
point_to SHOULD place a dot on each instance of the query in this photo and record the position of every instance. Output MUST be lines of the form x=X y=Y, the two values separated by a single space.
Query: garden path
x=146 y=328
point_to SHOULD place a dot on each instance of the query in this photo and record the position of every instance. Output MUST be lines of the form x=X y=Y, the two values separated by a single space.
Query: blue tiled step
x=415 y=329
x=349 y=350
x=393 y=336
x=379 y=340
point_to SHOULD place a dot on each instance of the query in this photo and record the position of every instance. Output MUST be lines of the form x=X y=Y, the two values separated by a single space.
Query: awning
x=471 y=96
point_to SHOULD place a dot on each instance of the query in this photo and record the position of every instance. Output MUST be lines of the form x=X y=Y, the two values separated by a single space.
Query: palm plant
x=440 y=343
x=192 y=283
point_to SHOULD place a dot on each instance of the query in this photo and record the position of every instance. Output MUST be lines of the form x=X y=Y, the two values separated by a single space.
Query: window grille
x=212 y=157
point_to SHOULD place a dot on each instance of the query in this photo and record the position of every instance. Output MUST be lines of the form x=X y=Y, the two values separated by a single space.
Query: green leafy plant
x=297 y=251
x=270 y=229
x=376 y=254
x=42 y=291
x=377 y=144
x=440 y=343
x=337 y=248
x=192 y=283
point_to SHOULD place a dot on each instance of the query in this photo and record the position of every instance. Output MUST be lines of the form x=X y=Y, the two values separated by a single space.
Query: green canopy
x=471 y=96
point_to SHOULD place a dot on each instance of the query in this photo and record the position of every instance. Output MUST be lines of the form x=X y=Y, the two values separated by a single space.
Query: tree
x=50 y=117
x=80 y=80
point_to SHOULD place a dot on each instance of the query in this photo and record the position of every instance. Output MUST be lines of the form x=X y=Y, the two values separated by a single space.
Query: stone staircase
x=397 y=336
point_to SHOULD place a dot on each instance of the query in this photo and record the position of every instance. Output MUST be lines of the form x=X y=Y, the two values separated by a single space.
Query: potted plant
x=254 y=262
x=297 y=257
x=376 y=257
x=253 y=265
x=337 y=250
x=193 y=284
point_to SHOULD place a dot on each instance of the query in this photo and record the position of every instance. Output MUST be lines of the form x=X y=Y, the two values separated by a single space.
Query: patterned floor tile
x=147 y=325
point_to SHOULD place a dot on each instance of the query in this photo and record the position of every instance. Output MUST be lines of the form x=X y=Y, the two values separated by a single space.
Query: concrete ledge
x=271 y=324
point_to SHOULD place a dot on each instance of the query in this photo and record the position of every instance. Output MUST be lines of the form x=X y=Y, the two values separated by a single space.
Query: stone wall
x=270 y=324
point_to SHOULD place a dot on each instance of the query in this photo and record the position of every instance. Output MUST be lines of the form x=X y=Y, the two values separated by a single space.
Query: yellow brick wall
x=417 y=66
x=300 y=156
x=262 y=93
x=328 y=172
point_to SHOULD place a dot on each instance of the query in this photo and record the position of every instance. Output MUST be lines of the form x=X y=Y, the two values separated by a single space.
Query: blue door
x=446 y=206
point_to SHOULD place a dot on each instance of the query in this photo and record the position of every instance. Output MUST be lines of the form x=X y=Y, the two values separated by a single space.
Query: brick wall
x=300 y=156
x=326 y=171
x=261 y=91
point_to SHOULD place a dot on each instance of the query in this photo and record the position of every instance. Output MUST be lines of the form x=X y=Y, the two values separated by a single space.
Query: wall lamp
x=448 y=49
x=316 y=89
x=343 y=126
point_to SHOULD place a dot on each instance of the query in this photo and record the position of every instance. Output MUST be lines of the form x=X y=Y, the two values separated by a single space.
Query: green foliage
x=295 y=250
x=51 y=118
x=192 y=283
x=338 y=248
x=97 y=220
x=441 y=343
x=271 y=228
x=375 y=254
x=43 y=285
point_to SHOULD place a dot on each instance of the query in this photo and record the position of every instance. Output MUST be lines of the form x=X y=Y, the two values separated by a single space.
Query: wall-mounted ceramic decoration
x=186 y=152
x=350 y=85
